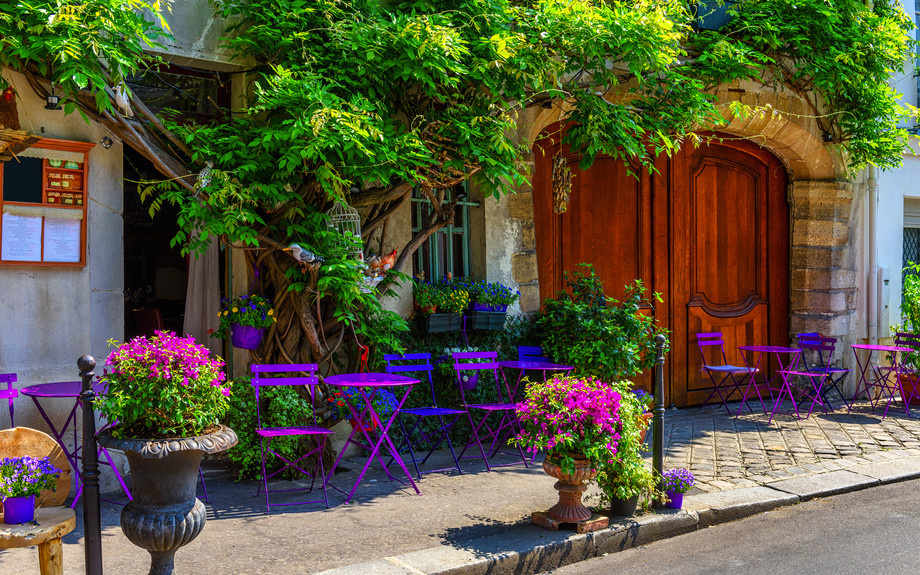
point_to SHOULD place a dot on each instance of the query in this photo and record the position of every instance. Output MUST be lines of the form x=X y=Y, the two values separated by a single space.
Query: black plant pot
x=164 y=514
x=624 y=507
x=438 y=322
x=485 y=320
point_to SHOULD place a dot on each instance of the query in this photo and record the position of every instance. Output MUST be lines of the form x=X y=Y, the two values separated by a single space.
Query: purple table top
x=369 y=380
x=882 y=347
x=535 y=365
x=769 y=349
x=59 y=389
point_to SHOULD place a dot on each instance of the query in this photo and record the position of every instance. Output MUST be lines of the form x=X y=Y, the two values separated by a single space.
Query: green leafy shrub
x=596 y=334
x=281 y=406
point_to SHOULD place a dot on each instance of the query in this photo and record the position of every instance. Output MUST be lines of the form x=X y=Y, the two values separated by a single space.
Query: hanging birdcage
x=346 y=220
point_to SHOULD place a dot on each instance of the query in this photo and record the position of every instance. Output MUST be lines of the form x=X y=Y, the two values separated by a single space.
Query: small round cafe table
x=779 y=352
x=883 y=375
x=369 y=423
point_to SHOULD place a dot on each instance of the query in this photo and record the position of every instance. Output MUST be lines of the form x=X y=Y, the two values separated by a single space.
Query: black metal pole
x=92 y=518
x=658 y=410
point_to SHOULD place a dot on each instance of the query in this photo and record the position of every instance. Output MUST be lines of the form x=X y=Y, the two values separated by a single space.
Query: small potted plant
x=646 y=400
x=167 y=395
x=626 y=481
x=489 y=303
x=21 y=480
x=676 y=483
x=576 y=422
x=425 y=297
x=245 y=318
x=451 y=298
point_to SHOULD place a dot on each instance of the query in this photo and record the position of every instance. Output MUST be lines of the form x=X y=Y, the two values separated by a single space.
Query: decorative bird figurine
x=387 y=261
x=303 y=256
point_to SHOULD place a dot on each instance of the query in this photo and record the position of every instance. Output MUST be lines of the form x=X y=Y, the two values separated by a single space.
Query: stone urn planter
x=570 y=509
x=164 y=514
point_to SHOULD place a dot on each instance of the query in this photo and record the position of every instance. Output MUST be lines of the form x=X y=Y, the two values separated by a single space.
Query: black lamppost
x=658 y=410
x=92 y=518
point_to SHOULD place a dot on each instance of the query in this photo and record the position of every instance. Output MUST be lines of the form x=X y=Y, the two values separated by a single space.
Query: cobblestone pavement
x=725 y=452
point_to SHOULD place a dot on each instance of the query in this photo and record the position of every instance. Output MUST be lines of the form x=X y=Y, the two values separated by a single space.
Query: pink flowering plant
x=162 y=387
x=568 y=417
x=25 y=476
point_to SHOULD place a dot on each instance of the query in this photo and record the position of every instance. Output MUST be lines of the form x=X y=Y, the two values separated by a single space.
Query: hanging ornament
x=346 y=220
x=562 y=184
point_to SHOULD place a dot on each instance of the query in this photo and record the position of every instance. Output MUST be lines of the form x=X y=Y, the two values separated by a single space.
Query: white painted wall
x=51 y=316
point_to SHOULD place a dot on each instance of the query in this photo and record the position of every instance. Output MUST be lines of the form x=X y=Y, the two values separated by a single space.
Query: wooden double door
x=709 y=231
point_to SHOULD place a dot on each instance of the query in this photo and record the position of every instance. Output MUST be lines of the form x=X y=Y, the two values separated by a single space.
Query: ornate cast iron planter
x=570 y=509
x=164 y=514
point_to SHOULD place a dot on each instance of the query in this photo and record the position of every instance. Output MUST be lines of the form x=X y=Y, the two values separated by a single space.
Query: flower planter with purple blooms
x=244 y=320
x=21 y=479
x=677 y=482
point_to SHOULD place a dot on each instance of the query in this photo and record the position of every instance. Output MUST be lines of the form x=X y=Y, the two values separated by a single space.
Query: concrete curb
x=527 y=549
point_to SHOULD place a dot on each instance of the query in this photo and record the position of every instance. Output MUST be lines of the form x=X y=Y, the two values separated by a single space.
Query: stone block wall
x=823 y=274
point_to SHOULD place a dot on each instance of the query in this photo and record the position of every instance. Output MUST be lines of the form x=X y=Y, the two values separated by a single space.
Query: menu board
x=62 y=240
x=22 y=239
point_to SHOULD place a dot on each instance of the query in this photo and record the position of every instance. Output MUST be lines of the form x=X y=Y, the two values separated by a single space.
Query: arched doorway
x=709 y=231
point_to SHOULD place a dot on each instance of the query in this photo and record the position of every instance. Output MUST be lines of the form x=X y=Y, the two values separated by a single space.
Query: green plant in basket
x=570 y=416
x=251 y=310
x=426 y=296
x=162 y=387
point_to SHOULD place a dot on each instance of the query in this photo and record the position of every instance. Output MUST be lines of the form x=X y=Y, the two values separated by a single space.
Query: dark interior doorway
x=156 y=275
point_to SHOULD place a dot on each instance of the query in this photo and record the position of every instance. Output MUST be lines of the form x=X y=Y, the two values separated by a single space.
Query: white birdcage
x=346 y=220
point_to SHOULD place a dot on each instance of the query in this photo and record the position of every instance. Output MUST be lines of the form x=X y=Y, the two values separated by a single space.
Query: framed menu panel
x=43 y=197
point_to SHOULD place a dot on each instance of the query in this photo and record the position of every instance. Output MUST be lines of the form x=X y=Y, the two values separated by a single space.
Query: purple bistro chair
x=421 y=362
x=818 y=375
x=508 y=423
x=266 y=434
x=532 y=353
x=906 y=340
x=813 y=342
x=725 y=370
x=10 y=393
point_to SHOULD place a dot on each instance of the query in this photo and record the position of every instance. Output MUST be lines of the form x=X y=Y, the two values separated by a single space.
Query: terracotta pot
x=570 y=487
x=427 y=310
x=647 y=416
x=164 y=514
x=246 y=336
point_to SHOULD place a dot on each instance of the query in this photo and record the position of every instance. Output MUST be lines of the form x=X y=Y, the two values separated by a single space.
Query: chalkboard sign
x=22 y=180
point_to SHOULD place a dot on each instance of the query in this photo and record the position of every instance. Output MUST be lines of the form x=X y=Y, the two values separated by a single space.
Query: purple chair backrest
x=420 y=362
x=911 y=340
x=824 y=346
x=475 y=361
x=710 y=339
x=9 y=393
x=310 y=381
x=531 y=353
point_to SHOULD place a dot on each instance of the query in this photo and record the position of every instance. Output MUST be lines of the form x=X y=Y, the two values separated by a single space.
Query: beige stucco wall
x=51 y=316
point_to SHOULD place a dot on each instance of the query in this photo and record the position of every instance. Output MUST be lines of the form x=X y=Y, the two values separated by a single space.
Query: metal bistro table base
x=779 y=352
x=882 y=375
x=374 y=440
x=70 y=390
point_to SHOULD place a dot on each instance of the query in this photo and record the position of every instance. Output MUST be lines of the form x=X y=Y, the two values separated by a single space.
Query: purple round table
x=881 y=375
x=779 y=352
x=524 y=366
x=70 y=390
x=374 y=439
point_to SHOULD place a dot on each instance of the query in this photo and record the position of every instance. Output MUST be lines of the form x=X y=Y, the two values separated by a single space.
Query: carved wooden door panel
x=730 y=257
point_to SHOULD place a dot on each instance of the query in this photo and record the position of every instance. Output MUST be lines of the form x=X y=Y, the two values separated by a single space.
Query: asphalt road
x=865 y=532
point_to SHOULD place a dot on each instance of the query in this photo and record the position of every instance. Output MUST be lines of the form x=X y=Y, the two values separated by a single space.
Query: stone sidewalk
x=725 y=452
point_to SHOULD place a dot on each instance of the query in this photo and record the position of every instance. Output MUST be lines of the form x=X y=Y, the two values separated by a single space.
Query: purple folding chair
x=725 y=370
x=816 y=374
x=266 y=434
x=508 y=424
x=10 y=393
x=813 y=342
x=421 y=362
x=531 y=353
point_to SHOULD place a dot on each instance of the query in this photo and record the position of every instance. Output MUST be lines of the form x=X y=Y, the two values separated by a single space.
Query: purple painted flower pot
x=246 y=336
x=18 y=509
x=470 y=383
x=676 y=500
x=483 y=307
